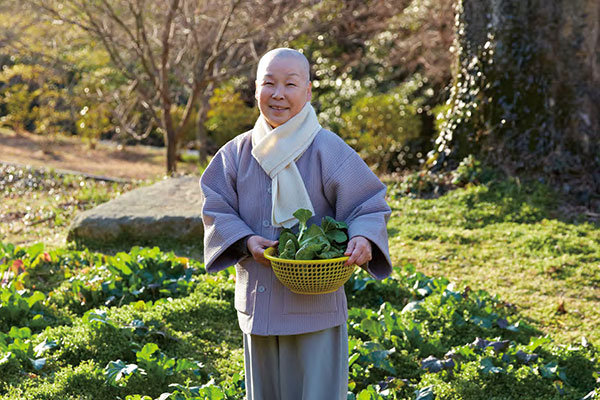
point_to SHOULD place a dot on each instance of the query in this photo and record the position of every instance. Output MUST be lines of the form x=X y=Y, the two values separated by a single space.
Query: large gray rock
x=166 y=214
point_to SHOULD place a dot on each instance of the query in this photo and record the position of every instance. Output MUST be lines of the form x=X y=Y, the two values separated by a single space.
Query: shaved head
x=282 y=85
x=284 y=53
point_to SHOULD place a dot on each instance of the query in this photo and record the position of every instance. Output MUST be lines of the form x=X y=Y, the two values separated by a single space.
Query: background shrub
x=229 y=115
x=380 y=126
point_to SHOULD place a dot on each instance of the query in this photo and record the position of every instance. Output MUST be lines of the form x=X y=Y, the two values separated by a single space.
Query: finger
x=260 y=253
x=259 y=257
x=358 y=249
x=364 y=254
x=354 y=257
x=350 y=249
x=364 y=258
x=268 y=243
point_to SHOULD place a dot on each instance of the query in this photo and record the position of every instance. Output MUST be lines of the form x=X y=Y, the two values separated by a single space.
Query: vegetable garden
x=149 y=324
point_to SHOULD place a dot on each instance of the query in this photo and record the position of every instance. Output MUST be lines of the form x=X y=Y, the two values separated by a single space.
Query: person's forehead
x=284 y=65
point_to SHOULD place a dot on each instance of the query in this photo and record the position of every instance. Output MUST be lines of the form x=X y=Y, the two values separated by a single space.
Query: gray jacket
x=237 y=203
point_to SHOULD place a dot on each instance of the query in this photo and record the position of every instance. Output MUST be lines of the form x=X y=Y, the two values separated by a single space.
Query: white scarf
x=276 y=150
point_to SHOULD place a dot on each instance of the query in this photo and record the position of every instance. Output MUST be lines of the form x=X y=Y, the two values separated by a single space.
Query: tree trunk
x=526 y=91
x=201 y=134
x=170 y=142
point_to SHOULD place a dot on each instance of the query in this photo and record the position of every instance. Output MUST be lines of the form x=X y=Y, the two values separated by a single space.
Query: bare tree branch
x=142 y=40
x=164 y=59
x=172 y=58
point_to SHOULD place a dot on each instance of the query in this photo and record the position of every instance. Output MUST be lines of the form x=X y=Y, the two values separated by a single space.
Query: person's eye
x=267 y=83
x=291 y=84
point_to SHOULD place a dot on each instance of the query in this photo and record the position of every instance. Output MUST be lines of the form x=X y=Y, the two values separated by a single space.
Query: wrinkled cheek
x=264 y=96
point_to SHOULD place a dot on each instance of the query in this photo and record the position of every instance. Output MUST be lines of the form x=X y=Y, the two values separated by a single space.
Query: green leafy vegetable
x=285 y=236
x=289 y=250
x=308 y=251
x=334 y=229
x=313 y=242
x=303 y=216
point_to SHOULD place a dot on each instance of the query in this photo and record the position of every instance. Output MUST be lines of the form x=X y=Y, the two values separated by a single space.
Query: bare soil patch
x=66 y=153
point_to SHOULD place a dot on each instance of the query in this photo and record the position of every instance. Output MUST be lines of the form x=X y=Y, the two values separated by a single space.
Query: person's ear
x=256 y=94
x=309 y=92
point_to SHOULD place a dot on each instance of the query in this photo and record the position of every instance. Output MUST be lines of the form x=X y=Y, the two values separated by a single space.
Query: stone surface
x=165 y=214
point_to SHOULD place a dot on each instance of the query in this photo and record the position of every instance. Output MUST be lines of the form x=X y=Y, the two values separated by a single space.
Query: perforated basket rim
x=281 y=269
x=271 y=250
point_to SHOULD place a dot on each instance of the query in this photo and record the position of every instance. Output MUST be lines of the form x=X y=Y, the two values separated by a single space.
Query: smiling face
x=282 y=86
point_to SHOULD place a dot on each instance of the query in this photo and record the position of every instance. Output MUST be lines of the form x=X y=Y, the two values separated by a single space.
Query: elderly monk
x=295 y=346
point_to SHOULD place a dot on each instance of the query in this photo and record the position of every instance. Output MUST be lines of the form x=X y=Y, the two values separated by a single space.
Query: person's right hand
x=257 y=245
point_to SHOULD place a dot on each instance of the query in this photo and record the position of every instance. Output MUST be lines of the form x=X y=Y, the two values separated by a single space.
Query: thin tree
x=173 y=52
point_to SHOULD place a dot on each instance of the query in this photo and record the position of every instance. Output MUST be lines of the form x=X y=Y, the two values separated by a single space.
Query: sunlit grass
x=505 y=238
x=508 y=240
x=39 y=205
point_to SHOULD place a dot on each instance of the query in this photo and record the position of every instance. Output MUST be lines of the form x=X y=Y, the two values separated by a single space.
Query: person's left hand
x=359 y=250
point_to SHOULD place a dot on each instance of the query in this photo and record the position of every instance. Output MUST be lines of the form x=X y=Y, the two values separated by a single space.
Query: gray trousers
x=310 y=366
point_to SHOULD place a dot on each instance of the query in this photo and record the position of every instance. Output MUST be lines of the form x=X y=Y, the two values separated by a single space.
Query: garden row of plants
x=147 y=325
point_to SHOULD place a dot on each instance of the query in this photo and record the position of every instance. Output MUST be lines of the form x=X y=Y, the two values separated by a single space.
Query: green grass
x=199 y=325
x=38 y=205
x=509 y=240
x=505 y=237
x=412 y=333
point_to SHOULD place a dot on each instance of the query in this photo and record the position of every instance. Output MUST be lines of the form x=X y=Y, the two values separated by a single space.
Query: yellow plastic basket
x=310 y=276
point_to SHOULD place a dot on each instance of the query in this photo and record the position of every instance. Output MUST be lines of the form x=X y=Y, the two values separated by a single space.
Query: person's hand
x=257 y=245
x=359 y=250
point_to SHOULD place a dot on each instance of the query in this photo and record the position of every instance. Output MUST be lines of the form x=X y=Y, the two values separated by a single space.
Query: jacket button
x=261 y=289
x=269 y=189
x=266 y=223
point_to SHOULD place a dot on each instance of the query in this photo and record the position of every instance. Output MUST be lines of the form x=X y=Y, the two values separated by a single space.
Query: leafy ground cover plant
x=201 y=322
x=443 y=343
x=151 y=362
x=17 y=350
x=226 y=390
x=36 y=268
x=411 y=337
x=141 y=274
x=414 y=336
x=22 y=308
x=81 y=280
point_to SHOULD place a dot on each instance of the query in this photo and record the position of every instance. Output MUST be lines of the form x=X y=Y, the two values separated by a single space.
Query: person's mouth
x=278 y=108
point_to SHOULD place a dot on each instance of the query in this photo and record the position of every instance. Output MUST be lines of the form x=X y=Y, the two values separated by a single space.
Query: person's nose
x=277 y=92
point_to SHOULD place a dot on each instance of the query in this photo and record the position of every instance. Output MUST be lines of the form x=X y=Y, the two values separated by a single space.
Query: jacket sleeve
x=358 y=197
x=223 y=226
